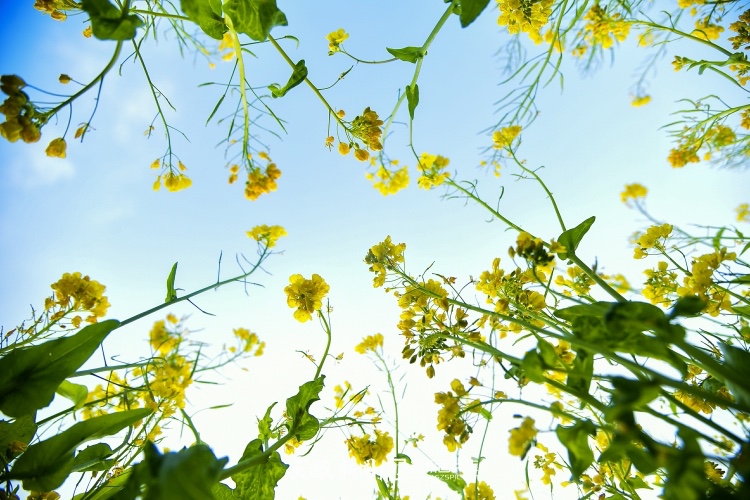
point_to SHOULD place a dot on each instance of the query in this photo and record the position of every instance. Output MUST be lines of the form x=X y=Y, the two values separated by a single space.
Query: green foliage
x=576 y=440
x=571 y=238
x=171 y=292
x=254 y=18
x=259 y=482
x=207 y=15
x=298 y=76
x=45 y=465
x=303 y=425
x=470 y=9
x=408 y=54
x=94 y=458
x=76 y=393
x=109 y=22
x=32 y=375
x=412 y=98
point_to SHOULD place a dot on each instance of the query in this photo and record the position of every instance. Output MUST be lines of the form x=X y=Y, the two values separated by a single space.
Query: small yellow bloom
x=56 y=148
x=329 y=141
x=370 y=343
x=267 y=235
x=156 y=164
x=504 y=137
x=87 y=32
x=64 y=78
x=176 y=182
x=306 y=295
x=521 y=437
x=361 y=154
x=639 y=101
x=157 y=183
x=633 y=191
x=336 y=38
x=343 y=148
x=743 y=212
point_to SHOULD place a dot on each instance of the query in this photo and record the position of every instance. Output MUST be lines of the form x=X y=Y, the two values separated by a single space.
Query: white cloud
x=30 y=168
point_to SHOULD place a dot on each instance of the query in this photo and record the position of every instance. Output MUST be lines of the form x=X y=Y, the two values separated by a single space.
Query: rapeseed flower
x=306 y=295
x=521 y=438
x=267 y=235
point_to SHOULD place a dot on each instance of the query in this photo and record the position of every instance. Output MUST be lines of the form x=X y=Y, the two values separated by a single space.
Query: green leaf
x=630 y=395
x=265 y=423
x=255 y=18
x=597 y=310
x=171 y=293
x=77 y=393
x=190 y=473
x=93 y=458
x=221 y=491
x=533 y=366
x=412 y=98
x=110 y=23
x=622 y=447
x=207 y=15
x=571 y=238
x=744 y=249
x=579 y=377
x=741 y=310
x=686 y=477
x=576 y=440
x=298 y=76
x=109 y=489
x=401 y=457
x=20 y=430
x=737 y=360
x=45 y=465
x=547 y=351
x=304 y=426
x=408 y=54
x=451 y=479
x=32 y=375
x=259 y=482
x=628 y=318
x=688 y=306
x=470 y=10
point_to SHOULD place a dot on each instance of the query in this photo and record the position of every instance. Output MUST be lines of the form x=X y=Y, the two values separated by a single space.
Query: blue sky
x=95 y=212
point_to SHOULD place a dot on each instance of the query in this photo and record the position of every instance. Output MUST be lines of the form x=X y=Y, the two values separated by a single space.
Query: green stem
x=243 y=93
x=594 y=276
x=395 y=411
x=160 y=14
x=327 y=328
x=544 y=186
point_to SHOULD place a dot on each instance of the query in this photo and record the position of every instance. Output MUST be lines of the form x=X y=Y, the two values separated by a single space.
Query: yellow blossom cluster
x=640 y=100
x=522 y=438
x=370 y=343
x=21 y=117
x=55 y=8
x=654 y=237
x=366 y=127
x=547 y=463
x=173 y=181
x=533 y=250
x=525 y=16
x=366 y=450
x=335 y=39
x=267 y=235
x=742 y=27
x=388 y=181
x=479 y=491
x=247 y=341
x=660 y=285
x=743 y=212
x=431 y=167
x=700 y=282
x=306 y=295
x=449 y=417
x=383 y=257
x=633 y=192
x=602 y=29
x=504 y=137
x=578 y=281
x=260 y=181
x=226 y=47
x=706 y=30
x=73 y=293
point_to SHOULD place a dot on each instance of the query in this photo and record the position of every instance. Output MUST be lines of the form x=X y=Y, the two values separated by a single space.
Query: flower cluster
x=742 y=27
x=654 y=237
x=173 y=181
x=602 y=29
x=386 y=180
x=660 y=285
x=706 y=30
x=267 y=235
x=527 y=16
x=700 y=282
x=370 y=343
x=55 y=8
x=260 y=181
x=366 y=127
x=504 y=137
x=743 y=212
x=532 y=250
x=577 y=281
x=633 y=192
x=479 y=491
x=306 y=295
x=383 y=257
x=522 y=438
x=73 y=293
x=432 y=169
x=450 y=417
x=22 y=120
x=335 y=39
x=366 y=450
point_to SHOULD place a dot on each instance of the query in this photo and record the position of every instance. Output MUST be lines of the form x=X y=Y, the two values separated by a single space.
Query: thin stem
x=243 y=94
x=327 y=328
x=160 y=14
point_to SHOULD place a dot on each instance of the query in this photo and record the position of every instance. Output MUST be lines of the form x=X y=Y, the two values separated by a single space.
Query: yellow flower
x=259 y=182
x=56 y=148
x=481 y=491
x=361 y=154
x=267 y=235
x=389 y=181
x=87 y=32
x=707 y=31
x=527 y=16
x=504 y=138
x=384 y=256
x=743 y=212
x=64 y=78
x=603 y=29
x=84 y=293
x=329 y=141
x=521 y=437
x=336 y=38
x=306 y=295
x=639 y=101
x=343 y=148
x=370 y=343
x=633 y=191
x=432 y=167
x=176 y=182
x=365 y=450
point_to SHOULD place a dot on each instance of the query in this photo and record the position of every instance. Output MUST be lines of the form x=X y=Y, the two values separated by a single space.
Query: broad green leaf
x=737 y=360
x=685 y=472
x=547 y=351
x=412 y=98
x=623 y=448
x=255 y=18
x=264 y=425
x=579 y=377
x=571 y=238
x=93 y=458
x=304 y=426
x=408 y=54
x=32 y=375
x=45 y=465
x=204 y=14
x=108 y=490
x=630 y=395
x=171 y=293
x=533 y=366
x=470 y=10
x=451 y=479
x=20 y=430
x=576 y=440
x=627 y=318
x=597 y=310
x=259 y=482
x=77 y=393
x=744 y=279
x=298 y=76
x=741 y=310
x=190 y=473
x=687 y=306
x=221 y=491
x=110 y=23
